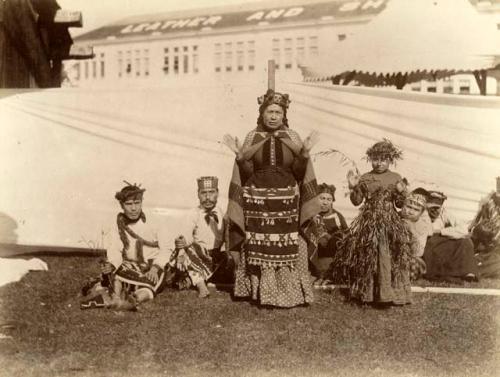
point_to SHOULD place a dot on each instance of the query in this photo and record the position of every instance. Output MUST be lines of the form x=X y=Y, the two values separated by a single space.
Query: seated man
x=449 y=252
x=418 y=222
x=133 y=271
x=328 y=227
x=198 y=252
x=485 y=233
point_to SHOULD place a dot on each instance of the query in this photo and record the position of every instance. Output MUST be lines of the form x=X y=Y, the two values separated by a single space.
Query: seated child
x=419 y=224
x=329 y=225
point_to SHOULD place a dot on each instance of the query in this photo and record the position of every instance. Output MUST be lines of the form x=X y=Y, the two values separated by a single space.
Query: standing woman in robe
x=272 y=198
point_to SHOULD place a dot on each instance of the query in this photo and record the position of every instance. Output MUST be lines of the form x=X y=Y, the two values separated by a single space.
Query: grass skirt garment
x=374 y=257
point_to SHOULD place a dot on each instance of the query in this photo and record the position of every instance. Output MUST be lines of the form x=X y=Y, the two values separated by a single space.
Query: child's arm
x=357 y=195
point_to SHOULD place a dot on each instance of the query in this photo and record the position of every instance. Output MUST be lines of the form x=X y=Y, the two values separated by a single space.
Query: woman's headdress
x=418 y=196
x=329 y=189
x=272 y=97
x=384 y=150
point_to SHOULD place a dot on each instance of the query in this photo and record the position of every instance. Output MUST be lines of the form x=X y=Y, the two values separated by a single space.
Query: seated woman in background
x=329 y=225
x=449 y=252
x=485 y=234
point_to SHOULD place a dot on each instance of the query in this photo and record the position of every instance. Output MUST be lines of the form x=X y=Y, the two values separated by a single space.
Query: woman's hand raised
x=234 y=144
x=311 y=140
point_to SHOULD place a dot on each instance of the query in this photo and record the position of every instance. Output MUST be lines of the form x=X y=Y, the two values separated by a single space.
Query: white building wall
x=287 y=45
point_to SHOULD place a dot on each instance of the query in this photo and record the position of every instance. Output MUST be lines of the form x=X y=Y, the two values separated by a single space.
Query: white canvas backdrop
x=65 y=152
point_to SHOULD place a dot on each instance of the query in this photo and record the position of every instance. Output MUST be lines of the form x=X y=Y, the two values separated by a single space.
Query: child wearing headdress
x=418 y=222
x=374 y=256
x=329 y=224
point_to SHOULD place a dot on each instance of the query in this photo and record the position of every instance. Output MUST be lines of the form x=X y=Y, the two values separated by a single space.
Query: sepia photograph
x=229 y=188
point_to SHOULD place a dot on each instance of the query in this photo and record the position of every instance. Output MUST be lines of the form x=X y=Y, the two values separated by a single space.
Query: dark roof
x=217 y=19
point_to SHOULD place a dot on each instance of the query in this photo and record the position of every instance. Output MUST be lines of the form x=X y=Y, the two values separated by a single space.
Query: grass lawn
x=44 y=333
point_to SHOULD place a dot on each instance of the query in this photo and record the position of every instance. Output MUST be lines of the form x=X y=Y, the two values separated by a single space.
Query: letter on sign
x=292 y=12
x=127 y=29
x=274 y=14
x=256 y=16
x=350 y=6
x=212 y=20
x=372 y=4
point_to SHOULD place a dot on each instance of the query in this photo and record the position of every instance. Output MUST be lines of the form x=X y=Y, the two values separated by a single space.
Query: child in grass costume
x=374 y=256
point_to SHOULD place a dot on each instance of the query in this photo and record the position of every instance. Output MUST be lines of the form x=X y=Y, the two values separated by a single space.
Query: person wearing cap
x=485 y=234
x=449 y=252
x=374 y=256
x=418 y=222
x=198 y=253
x=135 y=252
x=328 y=227
x=272 y=199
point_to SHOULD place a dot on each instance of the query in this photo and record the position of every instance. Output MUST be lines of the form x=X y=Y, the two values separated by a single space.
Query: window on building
x=276 y=52
x=218 y=61
x=415 y=88
x=86 y=69
x=288 y=55
x=128 y=68
x=240 y=60
x=196 y=68
x=146 y=62
x=185 y=63
x=137 y=62
x=228 y=61
x=240 y=56
x=94 y=69
x=251 y=55
x=120 y=64
x=464 y=87
x=300 y=49
x=447 y=85
x=313 y=46
x=341 y=37
x=77 y=71
x=102 y=68
x=228 y=56
x=195 y=59
x=218 y=57
x=166 y=64
x=176 y=49
x=431 y=89
x=176 y=64
x=166 y=61
x=185 y=48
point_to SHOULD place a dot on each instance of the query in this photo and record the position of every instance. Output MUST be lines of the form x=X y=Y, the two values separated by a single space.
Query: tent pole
x=271 y=79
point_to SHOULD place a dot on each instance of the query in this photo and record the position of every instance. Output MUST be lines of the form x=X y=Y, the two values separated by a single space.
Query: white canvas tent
x=411 y=39
x=65 y=152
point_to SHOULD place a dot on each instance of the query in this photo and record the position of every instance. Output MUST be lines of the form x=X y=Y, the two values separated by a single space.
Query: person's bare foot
x=202 y=290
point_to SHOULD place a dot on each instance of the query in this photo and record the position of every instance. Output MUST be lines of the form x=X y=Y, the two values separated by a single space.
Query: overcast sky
x=97 y=13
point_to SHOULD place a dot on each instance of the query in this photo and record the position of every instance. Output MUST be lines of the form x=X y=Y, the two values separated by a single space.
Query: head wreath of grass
x=384 y=149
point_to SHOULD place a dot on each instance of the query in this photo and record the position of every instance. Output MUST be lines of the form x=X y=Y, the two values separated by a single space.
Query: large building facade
x=234 y=43
x=230 y=43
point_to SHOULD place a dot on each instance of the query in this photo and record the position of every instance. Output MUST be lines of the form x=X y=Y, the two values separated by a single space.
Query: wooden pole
x=271 y=70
